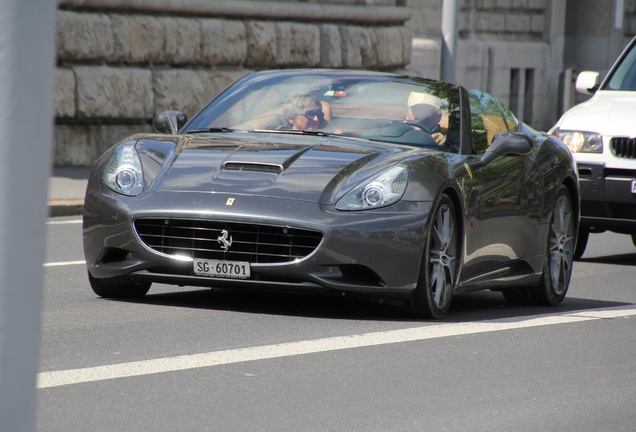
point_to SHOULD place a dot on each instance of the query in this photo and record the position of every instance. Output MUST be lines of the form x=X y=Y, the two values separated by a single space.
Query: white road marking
x=215 y=358
x=55 y=221
x=63 y=263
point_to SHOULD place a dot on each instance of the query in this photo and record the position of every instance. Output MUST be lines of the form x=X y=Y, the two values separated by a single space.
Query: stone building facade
x=122 y=61
x=510 y=48
x=525 y=52
x=119 y=62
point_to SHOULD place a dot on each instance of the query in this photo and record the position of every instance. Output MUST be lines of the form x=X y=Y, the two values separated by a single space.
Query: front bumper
x=607 y=199
x=372 y=253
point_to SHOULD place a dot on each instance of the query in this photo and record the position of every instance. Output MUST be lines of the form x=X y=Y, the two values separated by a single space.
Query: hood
x=311 y=168
x=610 y=113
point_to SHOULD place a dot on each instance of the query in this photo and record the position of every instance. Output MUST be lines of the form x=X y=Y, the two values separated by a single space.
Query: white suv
x=601 y=133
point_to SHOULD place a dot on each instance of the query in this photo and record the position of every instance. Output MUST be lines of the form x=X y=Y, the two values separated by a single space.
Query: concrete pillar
x=27 y=61
x=450 y=23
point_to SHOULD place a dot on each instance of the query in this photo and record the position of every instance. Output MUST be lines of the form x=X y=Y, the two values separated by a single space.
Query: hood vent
x=253 y=166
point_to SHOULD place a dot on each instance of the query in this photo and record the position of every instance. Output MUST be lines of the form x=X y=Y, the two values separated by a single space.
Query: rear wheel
x=557 y=264
x=438 y=274
x=118 y=288
x=557 y=268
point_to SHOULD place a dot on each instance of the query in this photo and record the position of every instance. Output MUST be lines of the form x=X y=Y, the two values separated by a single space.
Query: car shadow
x=476 y=306
x=488 y=305
x=618 y=259
x=274 y=303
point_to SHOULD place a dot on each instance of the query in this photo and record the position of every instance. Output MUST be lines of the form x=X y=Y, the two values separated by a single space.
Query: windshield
x=623 y=77
x=379 y=107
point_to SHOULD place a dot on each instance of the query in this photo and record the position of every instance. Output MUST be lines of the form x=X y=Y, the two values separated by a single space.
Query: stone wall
x=523 y=20
x=516 y=19
x=504 y=47
x=525 y=51
x=629 y=23
x=122 y=61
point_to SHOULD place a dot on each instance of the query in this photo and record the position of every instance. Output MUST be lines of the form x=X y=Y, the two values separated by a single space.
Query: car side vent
x=253 y=166
x=623 y=147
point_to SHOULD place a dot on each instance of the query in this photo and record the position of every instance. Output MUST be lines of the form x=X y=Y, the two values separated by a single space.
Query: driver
x=303 y=111
x=428 y=110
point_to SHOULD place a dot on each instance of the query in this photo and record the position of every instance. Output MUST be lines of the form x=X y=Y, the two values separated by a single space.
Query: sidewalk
x=67 y=186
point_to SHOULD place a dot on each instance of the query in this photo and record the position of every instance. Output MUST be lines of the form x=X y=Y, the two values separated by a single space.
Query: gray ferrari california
x=368 y=184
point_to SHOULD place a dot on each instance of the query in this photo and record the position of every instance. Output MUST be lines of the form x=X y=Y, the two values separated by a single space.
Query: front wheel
x=438 y=274
x=110 y=288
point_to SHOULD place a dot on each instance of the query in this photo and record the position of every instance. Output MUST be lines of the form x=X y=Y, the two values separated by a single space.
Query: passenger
x=303 y=111
x=428 y=110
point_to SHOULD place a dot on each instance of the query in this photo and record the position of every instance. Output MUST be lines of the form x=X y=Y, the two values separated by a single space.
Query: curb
x=68 y=207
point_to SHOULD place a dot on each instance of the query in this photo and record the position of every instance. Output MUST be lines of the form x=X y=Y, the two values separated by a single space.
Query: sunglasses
x=313 y=112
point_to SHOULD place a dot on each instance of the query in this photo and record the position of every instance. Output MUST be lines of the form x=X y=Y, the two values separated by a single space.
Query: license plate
x=222 y=269
x=634 y=186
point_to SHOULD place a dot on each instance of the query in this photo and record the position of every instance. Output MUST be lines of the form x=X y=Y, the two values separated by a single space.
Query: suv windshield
x=624 y=75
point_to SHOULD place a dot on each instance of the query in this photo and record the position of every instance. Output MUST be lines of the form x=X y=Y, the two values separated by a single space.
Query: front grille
x=623 y=147
x=624 y=211
x=195 y=238
x=619 y=173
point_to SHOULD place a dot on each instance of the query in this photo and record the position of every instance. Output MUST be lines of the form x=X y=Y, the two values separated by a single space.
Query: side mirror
x=169 y=122
x=504 y=143
x=507 y=143
x=587 y=82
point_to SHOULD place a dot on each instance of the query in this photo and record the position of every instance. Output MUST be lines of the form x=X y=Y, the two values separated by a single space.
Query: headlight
x=123 y=172
x=582 y=142
x=382 y=190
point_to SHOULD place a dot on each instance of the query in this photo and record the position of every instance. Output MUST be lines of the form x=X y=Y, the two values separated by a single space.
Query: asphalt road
x=192 y=359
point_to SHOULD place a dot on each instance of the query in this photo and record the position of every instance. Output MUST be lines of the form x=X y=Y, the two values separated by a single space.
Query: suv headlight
x=582 y=142
x=380 y=191
x=123 y=173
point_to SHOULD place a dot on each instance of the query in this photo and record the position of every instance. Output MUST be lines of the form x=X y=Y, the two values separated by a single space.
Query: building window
x=521 y=93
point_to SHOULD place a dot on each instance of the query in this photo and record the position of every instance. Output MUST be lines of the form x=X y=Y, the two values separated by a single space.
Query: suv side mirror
x=169 y=122
x=587 y=82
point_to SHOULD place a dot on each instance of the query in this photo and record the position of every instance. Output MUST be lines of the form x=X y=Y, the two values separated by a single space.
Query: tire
x=118 y=288
x=581 y=242
x=557 y=267
x=432 y=297
x=558 y=260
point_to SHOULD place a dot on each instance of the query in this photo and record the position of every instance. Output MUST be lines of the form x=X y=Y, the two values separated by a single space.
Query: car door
x=501 y=205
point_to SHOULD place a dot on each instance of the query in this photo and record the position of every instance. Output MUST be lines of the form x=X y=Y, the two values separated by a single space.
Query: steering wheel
x=418 y=125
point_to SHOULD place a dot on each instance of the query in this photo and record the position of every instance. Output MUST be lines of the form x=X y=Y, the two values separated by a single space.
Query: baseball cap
x=417 y=98
x=423 y=105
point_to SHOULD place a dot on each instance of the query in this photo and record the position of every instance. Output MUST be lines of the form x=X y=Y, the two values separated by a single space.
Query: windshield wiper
x=214 y=129
x=295 y=132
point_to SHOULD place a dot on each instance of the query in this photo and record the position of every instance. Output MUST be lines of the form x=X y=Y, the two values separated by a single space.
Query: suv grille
x=624 y=147
x=195 y=238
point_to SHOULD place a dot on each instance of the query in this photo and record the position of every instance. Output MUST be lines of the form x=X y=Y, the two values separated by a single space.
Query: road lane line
x=216 y=358
x=63 y=263
x=63 y=222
